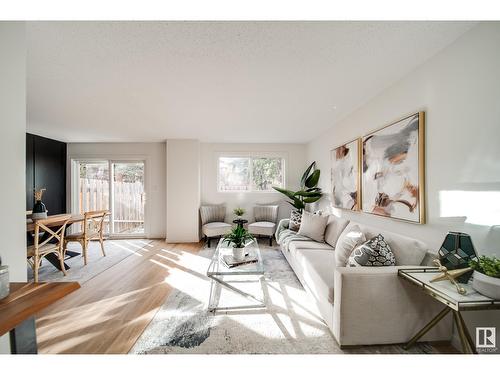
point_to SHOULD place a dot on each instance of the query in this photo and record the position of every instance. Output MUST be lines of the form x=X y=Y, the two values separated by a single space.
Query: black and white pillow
x=373 y=253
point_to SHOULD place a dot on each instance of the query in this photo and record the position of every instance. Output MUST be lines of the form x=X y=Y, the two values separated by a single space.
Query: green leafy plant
x=486 y=265
x=239 y=211
x=238 y=237
x=309 y=191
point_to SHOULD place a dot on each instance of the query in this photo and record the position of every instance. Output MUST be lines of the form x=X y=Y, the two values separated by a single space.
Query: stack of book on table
x=230 y=262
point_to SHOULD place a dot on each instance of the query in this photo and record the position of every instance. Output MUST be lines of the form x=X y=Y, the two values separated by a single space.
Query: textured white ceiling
x=215 y=81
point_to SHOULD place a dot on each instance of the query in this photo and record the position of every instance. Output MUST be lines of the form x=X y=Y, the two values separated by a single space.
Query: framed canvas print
x=392 y=179
x=345 y=161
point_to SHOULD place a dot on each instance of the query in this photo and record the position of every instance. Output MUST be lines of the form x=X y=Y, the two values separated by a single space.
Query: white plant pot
x=238 y=253
x=486 y=285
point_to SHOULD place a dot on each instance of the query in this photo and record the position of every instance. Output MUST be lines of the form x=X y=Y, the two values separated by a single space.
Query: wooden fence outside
x=128 y=211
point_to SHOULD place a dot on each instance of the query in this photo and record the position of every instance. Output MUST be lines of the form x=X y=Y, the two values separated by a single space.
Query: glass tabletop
x=217 y=266
x=446 y=292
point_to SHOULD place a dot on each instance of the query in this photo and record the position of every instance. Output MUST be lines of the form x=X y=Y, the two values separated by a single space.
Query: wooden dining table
x=52 y=258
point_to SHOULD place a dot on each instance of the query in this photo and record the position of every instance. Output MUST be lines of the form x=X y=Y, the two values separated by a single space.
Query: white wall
x=155 y=171
x=12 y=152
x=183 y=190
x=295 y=164
x=459 y=89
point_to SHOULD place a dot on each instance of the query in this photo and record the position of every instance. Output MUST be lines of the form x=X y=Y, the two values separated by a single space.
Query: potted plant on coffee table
x=238 y=238
x=486 y=276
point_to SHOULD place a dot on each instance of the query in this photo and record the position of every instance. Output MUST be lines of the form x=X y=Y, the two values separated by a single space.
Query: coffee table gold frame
x=450 y=305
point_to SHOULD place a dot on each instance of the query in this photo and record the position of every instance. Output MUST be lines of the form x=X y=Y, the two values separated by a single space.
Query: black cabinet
x=46 y=168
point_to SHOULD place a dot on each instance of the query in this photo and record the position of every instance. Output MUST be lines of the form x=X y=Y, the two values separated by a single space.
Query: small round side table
x=240 y=222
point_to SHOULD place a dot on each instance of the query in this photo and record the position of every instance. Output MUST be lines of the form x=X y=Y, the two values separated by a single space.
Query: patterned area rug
x=290 y=324
x=116 y=251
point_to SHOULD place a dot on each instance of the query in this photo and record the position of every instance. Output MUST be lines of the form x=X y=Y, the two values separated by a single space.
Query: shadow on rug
x=290 y=324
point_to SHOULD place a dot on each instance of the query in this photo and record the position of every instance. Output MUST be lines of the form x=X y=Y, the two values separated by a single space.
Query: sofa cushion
x=334 y=228
x=317 y=272
x=408 y=251
x=264 y=228
x=215 y=229
x=266 y=213
x=351 y=237
x=313 y=226
x=375 y=252
x=308 y=245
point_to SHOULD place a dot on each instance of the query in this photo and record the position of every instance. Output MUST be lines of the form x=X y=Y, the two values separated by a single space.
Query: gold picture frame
x=340 y=171
x=376 y=202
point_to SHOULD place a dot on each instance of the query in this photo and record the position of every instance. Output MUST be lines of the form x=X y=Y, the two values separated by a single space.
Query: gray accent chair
x=212 y=222
x=265 y=221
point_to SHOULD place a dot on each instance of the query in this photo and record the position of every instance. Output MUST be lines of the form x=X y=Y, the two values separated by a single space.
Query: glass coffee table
x=217 y=271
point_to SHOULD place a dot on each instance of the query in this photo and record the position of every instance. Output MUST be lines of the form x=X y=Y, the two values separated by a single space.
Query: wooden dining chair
x=52 y=243
x=93 y=229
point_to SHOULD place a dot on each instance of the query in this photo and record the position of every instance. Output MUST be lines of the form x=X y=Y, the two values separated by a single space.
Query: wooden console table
x=17 y=311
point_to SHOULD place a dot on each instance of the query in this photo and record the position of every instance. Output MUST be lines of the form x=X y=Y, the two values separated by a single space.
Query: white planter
x=238 y=253
x=486 y=285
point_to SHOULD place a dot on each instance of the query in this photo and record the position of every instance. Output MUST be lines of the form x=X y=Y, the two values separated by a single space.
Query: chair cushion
x=215 y=229
x=74 y=236
x=317 y=271
x=266 y=213
x=212 y=214
x=313 y=226
x=265 y=228
x=334 y=228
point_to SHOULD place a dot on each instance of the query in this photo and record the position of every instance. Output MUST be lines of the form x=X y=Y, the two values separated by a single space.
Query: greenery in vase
x=309 y=191
x=238 y=237
x=486 y=265
x=239 y=211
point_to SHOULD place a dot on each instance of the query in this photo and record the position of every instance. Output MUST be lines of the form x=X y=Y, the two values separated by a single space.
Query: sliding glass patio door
x=117 y=186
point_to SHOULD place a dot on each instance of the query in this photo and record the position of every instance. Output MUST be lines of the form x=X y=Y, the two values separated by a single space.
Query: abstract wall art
x=393 y=170
x=345 y=175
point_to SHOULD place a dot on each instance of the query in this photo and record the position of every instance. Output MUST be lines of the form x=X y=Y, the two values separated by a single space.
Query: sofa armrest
x=282 y=225
x=373 y=305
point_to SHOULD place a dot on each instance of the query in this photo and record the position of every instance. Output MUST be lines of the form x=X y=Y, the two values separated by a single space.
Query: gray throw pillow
x=373 y=253
x=313 y=226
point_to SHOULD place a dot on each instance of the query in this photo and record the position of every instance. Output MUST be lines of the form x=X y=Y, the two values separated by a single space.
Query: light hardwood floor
x=110 y=311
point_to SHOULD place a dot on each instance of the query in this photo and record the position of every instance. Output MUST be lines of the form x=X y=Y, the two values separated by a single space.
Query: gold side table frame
x=454 y=305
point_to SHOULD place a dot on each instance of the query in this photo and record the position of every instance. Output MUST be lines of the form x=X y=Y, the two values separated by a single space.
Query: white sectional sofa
x=366 y=305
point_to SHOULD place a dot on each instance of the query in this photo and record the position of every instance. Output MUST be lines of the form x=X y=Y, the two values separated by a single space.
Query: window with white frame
x=250 y=173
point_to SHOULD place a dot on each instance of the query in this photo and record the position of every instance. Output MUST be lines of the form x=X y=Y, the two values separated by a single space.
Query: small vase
x=238 y=253
x=39 y=211
x=486 y=285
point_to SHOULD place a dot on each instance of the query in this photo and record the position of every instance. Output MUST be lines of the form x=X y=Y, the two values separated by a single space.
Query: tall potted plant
x=309 y=193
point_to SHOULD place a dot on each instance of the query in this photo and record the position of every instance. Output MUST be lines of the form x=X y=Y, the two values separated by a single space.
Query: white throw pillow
x=348 y=240
x=313 y=226
x=334 y=229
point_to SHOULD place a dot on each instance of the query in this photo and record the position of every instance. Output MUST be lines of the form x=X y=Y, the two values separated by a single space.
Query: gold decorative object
x=38 y=194
x=450 y=275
